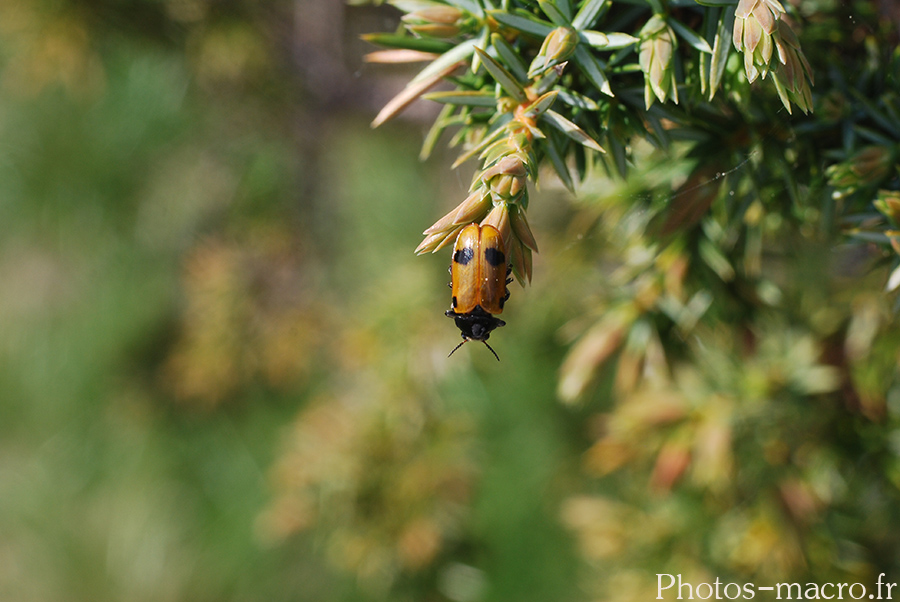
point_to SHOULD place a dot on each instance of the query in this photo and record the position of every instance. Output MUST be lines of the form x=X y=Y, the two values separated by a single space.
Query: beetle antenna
x=491 y=348
x=464 y=341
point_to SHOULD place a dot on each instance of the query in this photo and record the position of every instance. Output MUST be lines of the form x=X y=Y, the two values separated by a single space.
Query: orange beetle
x=479 y=275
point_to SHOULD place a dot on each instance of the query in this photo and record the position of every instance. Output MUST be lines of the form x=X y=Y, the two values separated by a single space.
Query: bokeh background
x=209 y=295
x=223 y=372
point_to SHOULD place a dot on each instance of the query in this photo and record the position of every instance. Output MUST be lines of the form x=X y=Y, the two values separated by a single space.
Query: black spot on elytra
x=464 y=255
x=453 y=301
x=494 y=257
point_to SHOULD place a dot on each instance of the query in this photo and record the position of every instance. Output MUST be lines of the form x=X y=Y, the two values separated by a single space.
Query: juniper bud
x=755 y=22
x=888 y=203
x=557 y=47
x=794 y=75
x=444 y=231
x=867 y=167
x=656 y=49
x=521 y=228
x=499 y=218
x=434 y=21
x=506 y=179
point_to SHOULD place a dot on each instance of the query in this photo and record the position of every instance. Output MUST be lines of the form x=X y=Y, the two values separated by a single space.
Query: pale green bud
x=557 y=47
x=434 y=21
x=446 y=15
x=656 y=49
x=888 y=203
x=755 y=24
x=867 y=167
x=507 y=178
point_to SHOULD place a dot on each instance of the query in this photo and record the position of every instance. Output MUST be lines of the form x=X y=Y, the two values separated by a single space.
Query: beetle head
x=476 y=326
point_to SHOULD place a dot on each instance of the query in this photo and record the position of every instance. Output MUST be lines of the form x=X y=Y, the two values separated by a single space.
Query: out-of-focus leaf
x=491 y=137
x=559 y=164
x=411 y=92
x=661 y=137
x=577 y=100
x=783 y=95
x=571 y=130
x=689 y=36
x=553 y=13
x=693 y=199
x=619 y=155
x=721 y=48
x=717 y=2
x=893 y=115
x=523 y=22
x=874 y=136
x=510 y=57
x=453 y=57
x=593 y=70
x=411 y=6
x=434 y=133
x=565 y=7
x=471 y=6
x=893 y=281
x=711 y=22
x=717 y=262
x=399 y=56
x=816 y=380
x=393 y=40
x=463 y=97
x=483 y=42
x=591 y=351
x=588 y=13
x=876 y=237
x=520 y=226
x=503 y=77
x=694 y=310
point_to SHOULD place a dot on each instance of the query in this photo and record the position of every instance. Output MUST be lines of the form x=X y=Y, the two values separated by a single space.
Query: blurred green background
x=223 y=372
x=201 y=238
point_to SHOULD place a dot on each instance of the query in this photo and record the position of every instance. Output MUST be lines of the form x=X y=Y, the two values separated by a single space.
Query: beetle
x=478 y=278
